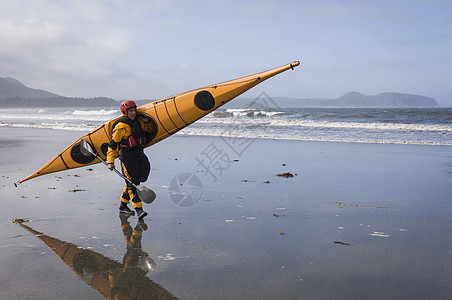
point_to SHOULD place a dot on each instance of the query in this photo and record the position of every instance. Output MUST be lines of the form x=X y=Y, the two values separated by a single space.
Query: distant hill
x=11 y=88
x=349 y=100
x=355 y=99
x=15 y=94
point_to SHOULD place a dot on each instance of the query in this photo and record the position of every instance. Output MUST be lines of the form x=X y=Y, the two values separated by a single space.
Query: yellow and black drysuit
x=128 y=141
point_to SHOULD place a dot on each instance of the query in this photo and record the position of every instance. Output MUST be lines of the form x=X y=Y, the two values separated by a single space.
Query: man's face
x=132 y=113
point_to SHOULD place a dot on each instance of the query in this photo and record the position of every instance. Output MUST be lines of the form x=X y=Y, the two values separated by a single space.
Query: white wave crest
x=101 y=112
x=292 y=137
x=59 y=126
x=245 y=112
x=327 y=124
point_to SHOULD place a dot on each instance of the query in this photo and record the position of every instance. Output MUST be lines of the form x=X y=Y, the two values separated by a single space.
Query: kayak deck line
x=158 y=118
x=169 y=115
x=62 y=159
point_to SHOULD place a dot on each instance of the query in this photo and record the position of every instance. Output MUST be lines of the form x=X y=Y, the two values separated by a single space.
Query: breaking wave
x=391 y=126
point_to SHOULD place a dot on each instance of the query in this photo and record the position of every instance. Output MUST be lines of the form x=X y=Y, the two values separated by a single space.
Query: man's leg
x=132 y=171
x=126 y=195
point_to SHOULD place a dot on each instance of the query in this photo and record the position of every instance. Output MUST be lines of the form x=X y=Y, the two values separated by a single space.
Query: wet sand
x=363 y=221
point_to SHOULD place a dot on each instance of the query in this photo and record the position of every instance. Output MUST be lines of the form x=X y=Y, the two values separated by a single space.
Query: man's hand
x=111 y=167
x=145 y=119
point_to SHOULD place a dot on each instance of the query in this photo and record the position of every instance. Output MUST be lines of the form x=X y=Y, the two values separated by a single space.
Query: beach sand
x=361 y=221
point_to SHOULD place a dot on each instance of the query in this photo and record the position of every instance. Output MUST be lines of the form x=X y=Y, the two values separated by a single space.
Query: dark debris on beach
x=277 y=216
x=342 y=243
x=286 y=175
x=77 y=190
x=20 y=221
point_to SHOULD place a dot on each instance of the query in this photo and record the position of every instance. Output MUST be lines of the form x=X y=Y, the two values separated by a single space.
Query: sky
x=146 y=49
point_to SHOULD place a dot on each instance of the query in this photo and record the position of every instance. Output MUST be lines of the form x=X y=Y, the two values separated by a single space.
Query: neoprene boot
x=141 y=213
x=124 y=209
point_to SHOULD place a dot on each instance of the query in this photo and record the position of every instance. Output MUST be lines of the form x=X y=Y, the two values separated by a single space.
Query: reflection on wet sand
x=110 y=278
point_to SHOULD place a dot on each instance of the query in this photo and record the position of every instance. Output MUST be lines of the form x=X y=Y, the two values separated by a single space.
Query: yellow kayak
x=169 y=115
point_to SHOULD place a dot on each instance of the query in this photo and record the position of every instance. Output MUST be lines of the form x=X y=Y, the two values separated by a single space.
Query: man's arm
x=113 y=147
x=146 y=123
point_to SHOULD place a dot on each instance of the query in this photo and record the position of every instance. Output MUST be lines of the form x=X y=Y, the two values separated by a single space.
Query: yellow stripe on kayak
x=169 y=115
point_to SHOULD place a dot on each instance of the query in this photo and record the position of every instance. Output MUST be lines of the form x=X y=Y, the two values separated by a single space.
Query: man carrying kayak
x=129 y=135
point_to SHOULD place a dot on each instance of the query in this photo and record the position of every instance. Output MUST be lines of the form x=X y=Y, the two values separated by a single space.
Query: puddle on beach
x=251 y=235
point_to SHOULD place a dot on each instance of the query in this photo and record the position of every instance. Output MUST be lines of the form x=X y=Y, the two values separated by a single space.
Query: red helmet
x=126 y=105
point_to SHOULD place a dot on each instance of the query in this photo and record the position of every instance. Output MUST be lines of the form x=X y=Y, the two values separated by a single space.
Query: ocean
x=417 y=126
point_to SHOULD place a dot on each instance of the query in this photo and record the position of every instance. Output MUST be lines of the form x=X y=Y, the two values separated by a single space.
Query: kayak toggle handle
x=294 y=64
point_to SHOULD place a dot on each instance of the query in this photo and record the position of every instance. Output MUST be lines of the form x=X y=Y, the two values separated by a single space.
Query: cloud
x=77 y=42
x=152 y=49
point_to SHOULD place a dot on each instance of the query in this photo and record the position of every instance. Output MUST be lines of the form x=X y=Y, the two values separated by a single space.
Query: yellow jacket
x=121 y=136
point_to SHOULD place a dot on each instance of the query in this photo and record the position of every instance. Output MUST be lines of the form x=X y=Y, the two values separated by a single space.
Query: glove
x=144 y=119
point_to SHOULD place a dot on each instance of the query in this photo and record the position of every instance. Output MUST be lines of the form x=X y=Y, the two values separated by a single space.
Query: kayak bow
x=169 y=116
